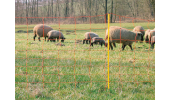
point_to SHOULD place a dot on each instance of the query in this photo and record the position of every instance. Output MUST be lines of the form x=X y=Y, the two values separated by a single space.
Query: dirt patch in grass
x=22 y=31
x=33 y=43
x=59 y=44
x=70 y=32
x=79 y=41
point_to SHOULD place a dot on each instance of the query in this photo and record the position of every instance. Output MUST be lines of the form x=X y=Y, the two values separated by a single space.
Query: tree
x=106 y=9
x=111 y=12
x=66 y=8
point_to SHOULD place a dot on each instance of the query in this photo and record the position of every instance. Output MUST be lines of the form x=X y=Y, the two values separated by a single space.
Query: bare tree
x=144 y=9
x=106 y=9
x=111 y=12
x=37 y=8
x=26 y=9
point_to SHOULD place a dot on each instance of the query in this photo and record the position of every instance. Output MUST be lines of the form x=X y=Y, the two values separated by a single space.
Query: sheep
x=139 y=29
x=41 y=30
x=148 y=34
x=53 y=34
x=97 y=40
x=89 y=36
x=127 y=37
x=152 y=41
x=100 y=41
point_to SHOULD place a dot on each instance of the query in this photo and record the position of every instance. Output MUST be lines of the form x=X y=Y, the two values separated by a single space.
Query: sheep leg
x=57 y=39
x=152 y=45
x=84 y=40
x=130 y=46
x=45 y=38
x=111 y=46
x=114 y=44
x=62 y=40
x=39 y=38
x=51 y=39
x=54 y=39
x=123 y=46
x=101 y=44
x=146 y=39
x=48 y=40
x=89 y=41
x=34 y=36
x=91 y=44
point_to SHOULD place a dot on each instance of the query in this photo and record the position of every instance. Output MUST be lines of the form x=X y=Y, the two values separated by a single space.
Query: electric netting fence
x=74 y=64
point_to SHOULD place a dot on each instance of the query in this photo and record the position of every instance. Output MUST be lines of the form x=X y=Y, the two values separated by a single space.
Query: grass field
x=44 y=70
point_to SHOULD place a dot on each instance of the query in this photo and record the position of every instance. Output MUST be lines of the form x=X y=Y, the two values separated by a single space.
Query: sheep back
x=55 y=34
x=89 y=35
x=148 y=34
x=40 y=29
x=98 y=39
x=127 y=36
x=139 y=29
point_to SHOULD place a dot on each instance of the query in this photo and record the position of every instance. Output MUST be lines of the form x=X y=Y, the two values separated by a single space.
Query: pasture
x=46 y=70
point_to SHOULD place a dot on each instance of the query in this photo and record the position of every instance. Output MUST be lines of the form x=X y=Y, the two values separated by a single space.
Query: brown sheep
x=41 y=30
x=53 y=34
x=139 y=29
x=148 y=34
x=152 y=41
x=89 y=36
x=127 y=37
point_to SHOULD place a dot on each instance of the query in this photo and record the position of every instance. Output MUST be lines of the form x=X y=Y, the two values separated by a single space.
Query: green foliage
x=78 y=71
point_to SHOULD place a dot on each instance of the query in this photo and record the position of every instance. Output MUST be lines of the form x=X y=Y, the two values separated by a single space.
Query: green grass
x=78 y=71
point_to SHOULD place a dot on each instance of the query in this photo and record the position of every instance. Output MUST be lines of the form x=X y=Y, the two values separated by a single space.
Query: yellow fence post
x=108 y=47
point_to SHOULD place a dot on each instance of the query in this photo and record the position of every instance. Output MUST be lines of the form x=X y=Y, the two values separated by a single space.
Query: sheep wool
x=89 y=36
x=148 y=34
x=124 y=36
x=41 y=30
x=53 y=34
x=97 y=40
x=139 y=29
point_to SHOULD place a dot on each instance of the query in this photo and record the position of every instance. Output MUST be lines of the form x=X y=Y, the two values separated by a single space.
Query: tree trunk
x=37 y=8
x=66 y=9
x=26 y=9
x=111 y=12
x=90 y=6
x=58 y=8
x=106 y=9
x=72 y=8
x=115 y=11
x=52 y=10
x=48 y=9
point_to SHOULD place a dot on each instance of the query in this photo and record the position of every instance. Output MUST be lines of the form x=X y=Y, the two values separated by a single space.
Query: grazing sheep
x=139 y=29
x=148 y=34
x=152 y=41
x=89 y=36
x=97 y=40
x=41 y=30
x=53 y=34
x=127 y=37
